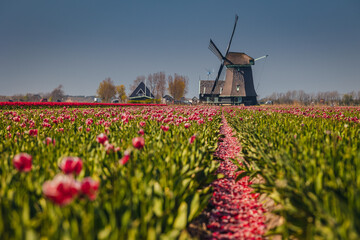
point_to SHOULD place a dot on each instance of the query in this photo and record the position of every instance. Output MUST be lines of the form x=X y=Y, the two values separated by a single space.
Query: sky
x=312 y=45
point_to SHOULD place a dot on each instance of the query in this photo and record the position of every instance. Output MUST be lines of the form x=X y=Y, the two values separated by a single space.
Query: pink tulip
x=187 y=125
x=141 y=131
x=192 y=139
x=102 y=138
x=33 y=132
x=89 y=121
x=165 y=128
x=109 y=148
x=89 y=187
x=62 y=189
x=22 y=162
x=125 y=158
x=48 y=141
x=71 y=165
x=138 y=142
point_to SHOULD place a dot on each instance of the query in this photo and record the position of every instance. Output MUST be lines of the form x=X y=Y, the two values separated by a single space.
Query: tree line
x=56 y=95
x=328 y=98
x=158 y=83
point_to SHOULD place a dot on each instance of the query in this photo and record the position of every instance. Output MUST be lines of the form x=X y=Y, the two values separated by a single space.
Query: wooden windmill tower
x=239 y=84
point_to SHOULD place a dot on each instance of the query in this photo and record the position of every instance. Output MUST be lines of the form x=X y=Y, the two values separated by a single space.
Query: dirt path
x=234 y=212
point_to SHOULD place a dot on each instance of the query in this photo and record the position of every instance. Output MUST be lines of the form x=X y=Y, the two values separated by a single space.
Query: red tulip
x=48 y=141
x=102 y=138
x=192 y=139
x=165 y=128
x=33 y=132
x=89 y=187
x=187 y=125
x=89 y=121
x=109 y=148
x=142 y=124
x=22 y=162
x=71 y=165
x=125 y=158
x=138 y=142
x=61 y=190
x=141 y=131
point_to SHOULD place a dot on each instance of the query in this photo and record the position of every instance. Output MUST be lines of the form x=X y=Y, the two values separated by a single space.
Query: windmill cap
x=239 y=58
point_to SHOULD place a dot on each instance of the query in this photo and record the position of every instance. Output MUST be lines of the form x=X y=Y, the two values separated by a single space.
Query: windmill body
x=238 y=87
x=239 y=84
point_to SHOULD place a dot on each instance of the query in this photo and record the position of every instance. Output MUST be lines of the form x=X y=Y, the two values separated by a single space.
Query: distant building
x=195 y=100
x=141 y=92
x=205 y=95
x=168 y=99
x=80 y=98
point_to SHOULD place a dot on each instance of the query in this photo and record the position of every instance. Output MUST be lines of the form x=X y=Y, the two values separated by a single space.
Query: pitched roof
x=141 y=91
x=207 y=85
x=168 y=98
x=239 y=58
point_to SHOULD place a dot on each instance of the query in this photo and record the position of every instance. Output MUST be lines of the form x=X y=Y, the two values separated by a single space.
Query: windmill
x=239 y=84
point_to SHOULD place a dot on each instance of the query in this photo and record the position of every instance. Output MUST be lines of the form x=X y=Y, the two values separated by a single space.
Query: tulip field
x=106 y=173
x=309 y=162
x=71 y=171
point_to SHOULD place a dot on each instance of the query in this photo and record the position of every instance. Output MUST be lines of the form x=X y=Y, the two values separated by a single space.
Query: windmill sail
x=232 y=35
x=222 y=58
x=215 y=50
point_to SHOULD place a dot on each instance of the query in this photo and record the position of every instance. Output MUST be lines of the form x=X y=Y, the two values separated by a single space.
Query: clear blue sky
x=313 y=45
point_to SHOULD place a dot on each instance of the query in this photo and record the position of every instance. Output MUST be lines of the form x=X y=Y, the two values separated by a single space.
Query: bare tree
x=160 y=84
x=57 y=94
x=151 y=83
x=156 y=82
x=137 y=81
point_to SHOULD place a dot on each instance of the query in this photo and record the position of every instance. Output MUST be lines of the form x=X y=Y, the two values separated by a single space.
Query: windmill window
x=237 y=87
x=204 y=90
x=221 y=90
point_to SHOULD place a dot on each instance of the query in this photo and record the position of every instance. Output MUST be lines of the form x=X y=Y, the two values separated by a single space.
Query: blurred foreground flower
x=49 y=140
x=125 y=158
x=138 y=142
x=89 y=187
x=102 y=138
x=71 y=165
x=62 y=189
x=192 y=139
x=164 y=128
x=22 y=162
x=33 y=132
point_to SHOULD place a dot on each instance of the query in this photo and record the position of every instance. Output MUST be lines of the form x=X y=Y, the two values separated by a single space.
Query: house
x=167 y=99
x=141 y=92
x=205 y=95
x=195 y=100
